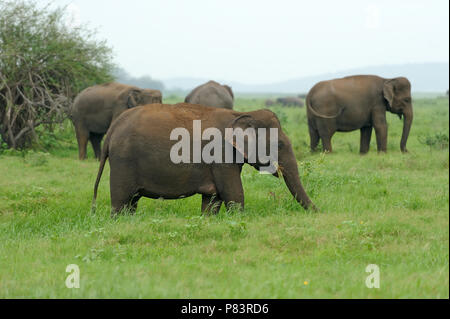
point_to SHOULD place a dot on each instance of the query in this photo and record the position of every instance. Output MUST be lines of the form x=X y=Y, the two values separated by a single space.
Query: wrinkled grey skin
x=138 y=146
x=358 y=102
x=211 y=94
x=97 y=106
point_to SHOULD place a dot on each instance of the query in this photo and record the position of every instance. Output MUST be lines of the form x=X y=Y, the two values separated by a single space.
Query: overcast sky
x=257 y=41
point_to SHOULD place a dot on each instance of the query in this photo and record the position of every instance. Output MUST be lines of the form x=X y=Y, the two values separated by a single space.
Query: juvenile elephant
x=97 y=106
x=139 y=146
x=211 y=93
x=358 y=102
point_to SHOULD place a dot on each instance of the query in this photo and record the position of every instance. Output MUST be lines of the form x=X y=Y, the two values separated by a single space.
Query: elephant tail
x=103 y=158
x=309 y=107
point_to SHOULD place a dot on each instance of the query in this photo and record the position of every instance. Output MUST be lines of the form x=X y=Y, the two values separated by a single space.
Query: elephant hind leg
x=211 y=204
x=326 y=142
x=366 y=134
x=326 y=129
x=314 y=139
x=123 y=190
x=134 y=203
x=82 y=139
x=96 y=141
x=126 y=204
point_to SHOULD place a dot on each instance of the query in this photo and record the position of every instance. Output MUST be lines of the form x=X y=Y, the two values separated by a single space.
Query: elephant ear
x=133 y=98
x=157 y=97
x=388 y=91
x=243 y=136
x=229 y=91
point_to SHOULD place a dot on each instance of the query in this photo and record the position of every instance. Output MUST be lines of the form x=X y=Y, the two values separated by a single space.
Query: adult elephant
x=358 y=102
x=141 y=157
x=97 y=106
x=211 y=93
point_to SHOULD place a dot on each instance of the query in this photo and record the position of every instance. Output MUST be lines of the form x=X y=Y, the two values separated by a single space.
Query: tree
x=43 y=65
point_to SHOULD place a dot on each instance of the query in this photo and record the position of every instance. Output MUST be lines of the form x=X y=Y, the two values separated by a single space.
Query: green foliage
x=281 y=114
x=43 y=64
x=36 y=158
x=312 y=165
x=437 y=140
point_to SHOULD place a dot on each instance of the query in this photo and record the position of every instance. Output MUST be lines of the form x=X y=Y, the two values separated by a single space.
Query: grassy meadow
x=385 y=209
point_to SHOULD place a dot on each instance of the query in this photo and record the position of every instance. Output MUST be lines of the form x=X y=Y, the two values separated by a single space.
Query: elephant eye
x=407 y=100
x=280 y=144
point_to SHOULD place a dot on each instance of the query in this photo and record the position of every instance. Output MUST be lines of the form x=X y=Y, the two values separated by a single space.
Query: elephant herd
x=286 y=101
x=138 y=129
x=96 y=107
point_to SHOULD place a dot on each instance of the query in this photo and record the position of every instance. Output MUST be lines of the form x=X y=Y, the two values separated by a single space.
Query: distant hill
x=122 y=76
x=424 y=77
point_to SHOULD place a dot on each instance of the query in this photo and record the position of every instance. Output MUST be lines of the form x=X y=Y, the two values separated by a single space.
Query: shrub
x=43 y=65
x=437 y=140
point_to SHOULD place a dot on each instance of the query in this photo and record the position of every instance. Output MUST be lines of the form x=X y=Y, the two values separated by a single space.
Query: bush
x=437 y=140
x=43 y=65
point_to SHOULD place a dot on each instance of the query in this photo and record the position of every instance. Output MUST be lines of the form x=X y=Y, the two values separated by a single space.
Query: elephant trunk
x=407 y=122
x=289 y=169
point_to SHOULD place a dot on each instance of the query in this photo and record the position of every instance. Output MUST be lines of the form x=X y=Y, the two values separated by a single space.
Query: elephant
x=269 y=102
x=139 y=145
x=211 y=93
x=358 y=102
x=290 y=101
x=97 y=106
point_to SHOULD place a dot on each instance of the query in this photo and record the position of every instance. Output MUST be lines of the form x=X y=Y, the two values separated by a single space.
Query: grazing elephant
x=211 y=94
x=139 y=146
x=290 y=101
x=97 y=106
x=358 y=102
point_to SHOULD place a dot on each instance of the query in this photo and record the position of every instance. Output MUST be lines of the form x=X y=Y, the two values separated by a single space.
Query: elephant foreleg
x=380 y=126
x=366 y=134
x=227 y=179
x=211 y=204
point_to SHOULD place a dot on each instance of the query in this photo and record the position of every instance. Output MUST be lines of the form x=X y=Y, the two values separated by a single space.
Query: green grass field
x=385 y=209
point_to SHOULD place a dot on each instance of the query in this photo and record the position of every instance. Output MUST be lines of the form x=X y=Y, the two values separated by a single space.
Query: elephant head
x=143 y=96
x=397 y=93
x=151 y=96
x=285 y=163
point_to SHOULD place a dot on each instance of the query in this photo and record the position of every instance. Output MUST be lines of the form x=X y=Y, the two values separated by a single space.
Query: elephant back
x=211 y=94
